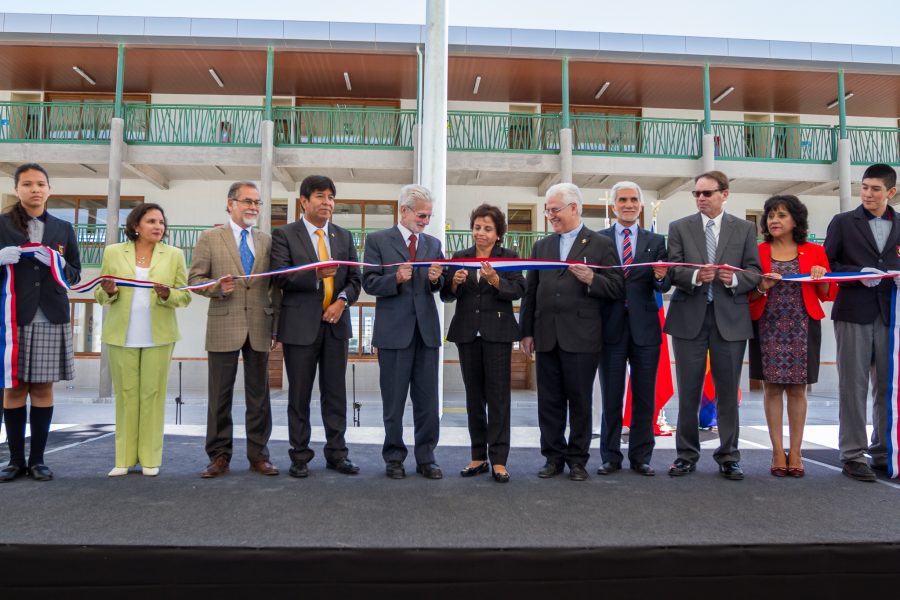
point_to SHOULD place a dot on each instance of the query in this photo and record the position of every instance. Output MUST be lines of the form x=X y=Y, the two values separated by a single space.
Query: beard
x=249 y=221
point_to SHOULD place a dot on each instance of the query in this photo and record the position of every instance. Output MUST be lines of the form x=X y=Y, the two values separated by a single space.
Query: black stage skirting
x=243 y=535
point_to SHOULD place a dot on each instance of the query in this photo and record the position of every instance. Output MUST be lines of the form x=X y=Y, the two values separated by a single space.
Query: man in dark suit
x=314 y=325
x=710 y=314
x=407 y=330
x=560 y=320
x=631 y=336
x=865 y=239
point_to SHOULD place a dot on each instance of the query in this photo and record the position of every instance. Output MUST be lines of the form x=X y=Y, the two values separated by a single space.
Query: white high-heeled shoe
x=118 y=472
x=150 y=471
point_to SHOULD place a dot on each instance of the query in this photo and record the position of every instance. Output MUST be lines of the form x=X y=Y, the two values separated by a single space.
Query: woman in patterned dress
x=785 y=350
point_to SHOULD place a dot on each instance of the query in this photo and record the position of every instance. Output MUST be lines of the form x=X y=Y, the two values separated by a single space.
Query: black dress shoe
x=10 y=472
x=472 y=471
x=681 y=467
x=578 y=473
x=394 y=469
x=500 y=477
x=40 y=472
x=859 y=471
x=345 y=466
x=643 y=469
x=550 y=470
x=608 y=468
x=731 y=470
x=430 y=471
x=879 y=468
x=299 y=469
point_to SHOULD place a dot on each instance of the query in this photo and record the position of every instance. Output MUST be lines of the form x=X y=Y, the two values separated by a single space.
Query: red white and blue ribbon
x=892 y=438
x=9 y=337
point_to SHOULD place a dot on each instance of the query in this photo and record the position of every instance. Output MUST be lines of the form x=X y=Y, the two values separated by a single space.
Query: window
x=87 y=326
x=91 y=210
x=362 y=321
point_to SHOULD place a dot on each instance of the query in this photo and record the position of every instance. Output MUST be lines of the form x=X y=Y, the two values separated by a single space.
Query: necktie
x=246 y=254
x=627 y=253
x=328 y=281
x=412 y=247
x=710 y=253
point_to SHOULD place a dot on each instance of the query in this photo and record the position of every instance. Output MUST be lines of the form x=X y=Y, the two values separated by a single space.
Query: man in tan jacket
x=241 y=320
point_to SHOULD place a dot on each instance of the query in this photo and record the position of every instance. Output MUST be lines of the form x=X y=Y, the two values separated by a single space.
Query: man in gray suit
x=407 y=330
x=709 y=313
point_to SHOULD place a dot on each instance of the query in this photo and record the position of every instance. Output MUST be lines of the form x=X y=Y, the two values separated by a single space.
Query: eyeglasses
x=246 y=202
x=555 y=211
x=419 y=215
x=705 y=193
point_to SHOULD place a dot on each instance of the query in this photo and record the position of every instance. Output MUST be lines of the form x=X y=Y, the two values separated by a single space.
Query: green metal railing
x=91 y=239
x=874 y=145
x=503 y=132
x=55 y=122
x=636 y=136
x=780 y=142
x=192 y=125
x=344 y=127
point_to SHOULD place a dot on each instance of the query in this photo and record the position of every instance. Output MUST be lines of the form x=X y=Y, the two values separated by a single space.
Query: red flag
x=665 y=388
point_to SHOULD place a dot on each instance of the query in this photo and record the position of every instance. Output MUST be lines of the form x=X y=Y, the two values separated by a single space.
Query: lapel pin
x=584 y=240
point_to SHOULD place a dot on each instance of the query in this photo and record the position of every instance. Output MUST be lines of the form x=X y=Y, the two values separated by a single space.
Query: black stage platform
x=338 y=536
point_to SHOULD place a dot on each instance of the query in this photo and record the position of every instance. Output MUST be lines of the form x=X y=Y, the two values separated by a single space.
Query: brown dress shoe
x=217 y=467
x=264 y=467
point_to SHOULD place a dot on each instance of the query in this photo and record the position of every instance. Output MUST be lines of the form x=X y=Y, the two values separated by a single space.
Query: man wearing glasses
x=240 y=320
x=407 y=330
x=709 y=315
x=561 y=324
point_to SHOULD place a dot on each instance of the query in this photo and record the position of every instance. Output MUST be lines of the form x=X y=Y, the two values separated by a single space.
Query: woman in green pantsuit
x=140 y=332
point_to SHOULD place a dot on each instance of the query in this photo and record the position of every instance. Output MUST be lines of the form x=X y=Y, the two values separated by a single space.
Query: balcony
x=192 y=125
x=874 y=144
x=774 y=142
x=344 y=127
x=636 y=136
x=503 y=132
x=91 y=239
x=55 y=122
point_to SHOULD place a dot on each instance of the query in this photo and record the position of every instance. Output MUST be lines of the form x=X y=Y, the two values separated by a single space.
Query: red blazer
x=810 y=255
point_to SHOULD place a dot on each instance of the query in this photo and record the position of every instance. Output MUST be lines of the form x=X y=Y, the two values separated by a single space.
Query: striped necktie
x=627 y=252
x=710 y=253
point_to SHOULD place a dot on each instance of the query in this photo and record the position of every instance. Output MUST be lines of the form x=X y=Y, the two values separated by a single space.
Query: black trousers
x=565 y=382
x=412 y=370
x=486 y=370
x=219 y=428
x=328 y=354
x=644 y=361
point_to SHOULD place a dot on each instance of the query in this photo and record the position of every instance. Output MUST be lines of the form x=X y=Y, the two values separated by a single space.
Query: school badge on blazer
x=62 y=249
x=898 y=251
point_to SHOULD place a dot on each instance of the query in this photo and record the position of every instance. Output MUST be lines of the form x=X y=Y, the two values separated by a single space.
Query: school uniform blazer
x=850 y=246
x=166 y=267
x=482 y=308
x=810 y=255
x=34 y=284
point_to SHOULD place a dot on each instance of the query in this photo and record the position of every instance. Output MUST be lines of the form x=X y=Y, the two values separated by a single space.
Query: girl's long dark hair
x=17 y=212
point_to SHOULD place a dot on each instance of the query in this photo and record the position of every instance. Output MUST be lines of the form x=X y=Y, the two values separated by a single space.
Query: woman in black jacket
x=45 y=352
x=484 y=329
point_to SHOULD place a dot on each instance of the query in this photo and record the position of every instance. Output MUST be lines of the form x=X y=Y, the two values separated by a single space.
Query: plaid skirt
x=46 y=353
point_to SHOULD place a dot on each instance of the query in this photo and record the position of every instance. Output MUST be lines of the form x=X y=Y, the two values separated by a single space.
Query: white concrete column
x=417 y=153
x=565 y=155
x=113 y=203
x=708 y=159
x=433 y=151
x=267 y=160
x=844 y=180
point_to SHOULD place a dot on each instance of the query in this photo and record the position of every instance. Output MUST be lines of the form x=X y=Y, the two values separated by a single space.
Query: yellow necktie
x=328 y=281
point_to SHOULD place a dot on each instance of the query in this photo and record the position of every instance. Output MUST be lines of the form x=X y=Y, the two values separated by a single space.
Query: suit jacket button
x=36 y=267
x=37 y=283
x=477 y=311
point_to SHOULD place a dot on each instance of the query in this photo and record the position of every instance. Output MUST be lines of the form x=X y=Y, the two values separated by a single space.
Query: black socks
x=40 y=429
x=15 y=434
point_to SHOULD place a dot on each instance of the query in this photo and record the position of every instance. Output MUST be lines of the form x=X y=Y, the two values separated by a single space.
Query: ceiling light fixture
x=347 y=81
x=219 y=169
x=834 y=102
x=87 y=77
x=724 y=93
x=601 y=90
x=217 y=78
x=477 y=84
x=89 y=168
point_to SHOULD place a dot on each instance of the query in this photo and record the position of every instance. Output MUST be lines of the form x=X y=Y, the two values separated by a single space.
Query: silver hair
x=626 y=185
x=412 y=193
x=569 y=192
x=236 y=187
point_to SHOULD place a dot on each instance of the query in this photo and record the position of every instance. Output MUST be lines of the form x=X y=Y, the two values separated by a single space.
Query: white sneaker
x=118 y=472
x=150 y=471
